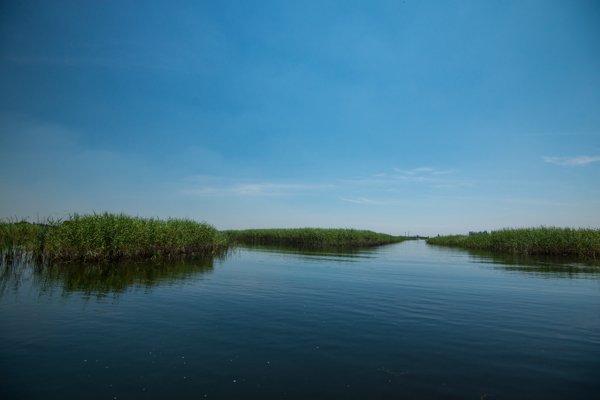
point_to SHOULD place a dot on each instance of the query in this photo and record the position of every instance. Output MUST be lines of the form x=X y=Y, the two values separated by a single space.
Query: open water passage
x=408 y=320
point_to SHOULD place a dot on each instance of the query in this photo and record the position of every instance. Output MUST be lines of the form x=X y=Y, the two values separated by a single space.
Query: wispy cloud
x=577 y=160
x=367 y=181
x=369 y=201
x=426 y=170
x=411 y=178
x=391 y=180
x=250 y=189
x=269 y=189
x=414 y=171
x=423 y=175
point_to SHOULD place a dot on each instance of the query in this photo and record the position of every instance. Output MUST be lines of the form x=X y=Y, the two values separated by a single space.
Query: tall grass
x=312 y=236
x=20 y=234
x=543 y=240
x=108 y=237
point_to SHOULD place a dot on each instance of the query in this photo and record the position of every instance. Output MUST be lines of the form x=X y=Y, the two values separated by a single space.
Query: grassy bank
x=108 y=237
x=551 y=241
x=312 y=237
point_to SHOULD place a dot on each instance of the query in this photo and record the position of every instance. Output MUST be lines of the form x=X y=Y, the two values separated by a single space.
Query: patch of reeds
x=20 y=233
x=109 y=237
x=583 y=242
x=312 y=237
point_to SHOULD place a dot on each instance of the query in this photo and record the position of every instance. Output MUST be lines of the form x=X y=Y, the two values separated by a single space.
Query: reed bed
x=312 y=237
x=109 y=237
x=582 y=242
x=20 y=234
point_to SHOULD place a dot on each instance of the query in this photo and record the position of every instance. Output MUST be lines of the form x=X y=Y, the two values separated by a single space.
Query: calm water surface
x=408 y=320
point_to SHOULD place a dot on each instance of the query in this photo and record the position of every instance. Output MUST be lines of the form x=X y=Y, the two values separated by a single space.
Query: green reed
x=104 y=237
x=583 y=242
x=110 y=237
x=14 y=233
x=312 y=236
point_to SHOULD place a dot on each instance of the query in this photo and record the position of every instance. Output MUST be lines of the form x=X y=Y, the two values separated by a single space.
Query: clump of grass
x=117 y=236
x=20 y=233
x=109 y=237
x=583 y=242
x=313 y=237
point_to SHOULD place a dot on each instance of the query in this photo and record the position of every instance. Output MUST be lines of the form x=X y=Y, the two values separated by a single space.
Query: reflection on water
x=101 y=279
x=315 y=253
x=541 y=266
x=115 y=278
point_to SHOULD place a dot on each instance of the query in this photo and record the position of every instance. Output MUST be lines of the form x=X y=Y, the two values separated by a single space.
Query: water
x=408 y=320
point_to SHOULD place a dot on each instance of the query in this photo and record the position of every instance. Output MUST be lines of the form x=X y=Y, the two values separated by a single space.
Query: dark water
x=409 y=320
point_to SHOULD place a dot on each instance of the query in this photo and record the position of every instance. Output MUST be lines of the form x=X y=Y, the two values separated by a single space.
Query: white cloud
x=411 y=178
x=414 y=171
x=577 y=160
x=268 y=189
x=368 y=201
x=367 y=181
x=424 y=169
x=417 y=175
x=251 y=189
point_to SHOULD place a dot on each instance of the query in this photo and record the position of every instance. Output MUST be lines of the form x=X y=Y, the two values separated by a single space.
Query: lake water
x=408 y=320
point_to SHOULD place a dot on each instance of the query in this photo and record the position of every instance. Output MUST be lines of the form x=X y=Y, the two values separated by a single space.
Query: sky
x=428 y=117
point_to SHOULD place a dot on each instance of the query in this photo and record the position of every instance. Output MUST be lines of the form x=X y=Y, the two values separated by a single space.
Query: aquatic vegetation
x=313 y=237
x=110 y=237
x=20 y=233
x=583 y=242
x=107 y=237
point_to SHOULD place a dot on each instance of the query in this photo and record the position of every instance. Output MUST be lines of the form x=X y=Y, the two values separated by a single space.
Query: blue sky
x=429 y=117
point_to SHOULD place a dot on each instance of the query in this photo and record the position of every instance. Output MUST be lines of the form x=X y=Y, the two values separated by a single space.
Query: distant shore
x=583 y=242
x=313 y=237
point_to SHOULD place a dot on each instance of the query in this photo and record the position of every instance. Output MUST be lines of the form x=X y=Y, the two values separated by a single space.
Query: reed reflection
x=315 y=253
x=102 y=279
x=540 y=266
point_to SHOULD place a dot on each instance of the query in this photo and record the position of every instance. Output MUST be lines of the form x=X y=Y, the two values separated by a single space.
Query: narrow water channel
x=408 y=320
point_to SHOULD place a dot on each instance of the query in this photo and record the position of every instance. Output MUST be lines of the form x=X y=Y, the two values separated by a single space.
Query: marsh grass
x=113 y=237
x=110 y=237
x=582 y=242
x=312 y=237
x=14 y=233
